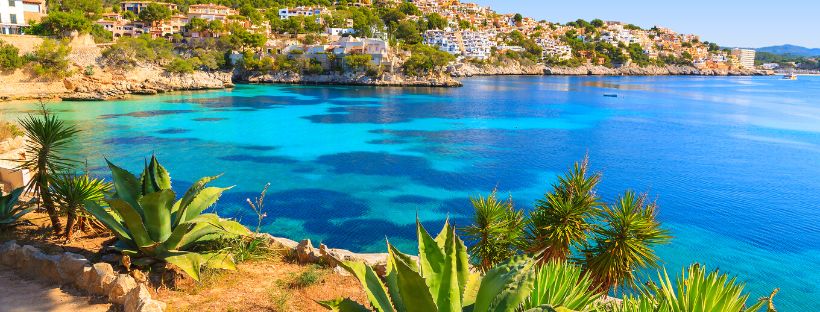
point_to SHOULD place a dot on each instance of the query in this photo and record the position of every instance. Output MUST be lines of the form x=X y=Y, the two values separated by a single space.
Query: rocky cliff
x=386 y=79
x=511 y=67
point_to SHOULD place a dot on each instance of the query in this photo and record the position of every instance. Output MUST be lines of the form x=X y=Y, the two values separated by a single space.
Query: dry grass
x=264 y=285
x=9 y=130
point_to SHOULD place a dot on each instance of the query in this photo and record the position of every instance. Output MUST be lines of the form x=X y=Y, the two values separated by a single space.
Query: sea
x=732 y=162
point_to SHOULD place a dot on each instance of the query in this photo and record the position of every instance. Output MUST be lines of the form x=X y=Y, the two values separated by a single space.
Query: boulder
x=103 y=276
x=8 y=251
x=71 y=266
x=120 y=287
x=44 y=267
x=84 y=281
x=305 y=253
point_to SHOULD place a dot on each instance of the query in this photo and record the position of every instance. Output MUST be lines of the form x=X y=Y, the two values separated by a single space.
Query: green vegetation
x=71 y=191
x=154 y=12
x=561 y=284
x=59 y=23
x=562 y=220
x=151 y=226
x=307 y=278
x=50 y=59
x=10 y=58
x=440 y=281
x=425 y=59
x=358 y=62
x=129 y=51
x=181 y=66
x=496 y=231
x=9 y=214
x=695 y=291
x=48 y=141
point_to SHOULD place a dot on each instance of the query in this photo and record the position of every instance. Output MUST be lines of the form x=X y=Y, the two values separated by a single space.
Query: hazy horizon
x=728 y=23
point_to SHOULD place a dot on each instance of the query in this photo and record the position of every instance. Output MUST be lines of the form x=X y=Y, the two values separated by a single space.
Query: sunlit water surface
x=734 y=163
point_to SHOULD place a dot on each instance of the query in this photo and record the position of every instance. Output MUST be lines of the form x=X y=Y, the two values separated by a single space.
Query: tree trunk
x=48 y=203
x=69 y=226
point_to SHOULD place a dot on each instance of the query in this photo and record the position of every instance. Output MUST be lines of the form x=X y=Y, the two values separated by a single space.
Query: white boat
x=791 y=76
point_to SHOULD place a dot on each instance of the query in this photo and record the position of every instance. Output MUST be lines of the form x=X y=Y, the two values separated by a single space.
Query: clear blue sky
x=749 y=23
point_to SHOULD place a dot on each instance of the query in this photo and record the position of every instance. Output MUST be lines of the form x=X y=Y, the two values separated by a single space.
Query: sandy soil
x=26 y=295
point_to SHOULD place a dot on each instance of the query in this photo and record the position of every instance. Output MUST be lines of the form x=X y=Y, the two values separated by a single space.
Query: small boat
x=791 y=76
x=610 y=95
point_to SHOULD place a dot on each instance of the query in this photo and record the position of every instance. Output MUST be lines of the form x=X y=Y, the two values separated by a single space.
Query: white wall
x=6 y=11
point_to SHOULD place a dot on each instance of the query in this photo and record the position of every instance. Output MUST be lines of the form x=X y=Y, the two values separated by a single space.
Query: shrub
x=307 y=278
x=58 y=23
x=100 y=34
x=10 y=58
x=180 y=66
x=128 y=52
x=9 y=214
x=50 y=59
x=425 y=58
x=314 y=68
x=358 y=62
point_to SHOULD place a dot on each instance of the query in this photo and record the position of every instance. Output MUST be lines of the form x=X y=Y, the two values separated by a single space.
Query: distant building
x=137 y=6
x=34 y=10
x=770 y=66
x=12 y=17
x=210 y=12
x=340 y=31
x=301 y=11
x=746 y=57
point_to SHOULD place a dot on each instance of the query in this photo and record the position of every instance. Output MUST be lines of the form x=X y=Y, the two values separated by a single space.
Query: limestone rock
x=71 y=266
x=120 y=287
x=8 y=251
x=103 y=276
x=44 y=266
x=305 y=253
x=136 y=298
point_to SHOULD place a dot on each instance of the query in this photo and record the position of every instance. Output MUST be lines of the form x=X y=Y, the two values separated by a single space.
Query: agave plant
x=694 y=291
x=561 y=284
x=563 y=219
x=48 y=138
x=9 y=214
x=151 y=225
x=440 y=281
x=495 y=232
x=72 y=191
x=624 y=242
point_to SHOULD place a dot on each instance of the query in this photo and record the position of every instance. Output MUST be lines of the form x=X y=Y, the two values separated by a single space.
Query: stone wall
x=25 y=43
x=72 y=269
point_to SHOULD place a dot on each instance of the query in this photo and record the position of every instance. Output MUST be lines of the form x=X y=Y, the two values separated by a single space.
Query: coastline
x=515 y=68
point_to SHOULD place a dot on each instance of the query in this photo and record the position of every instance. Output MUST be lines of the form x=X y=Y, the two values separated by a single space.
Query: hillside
x=790 y=49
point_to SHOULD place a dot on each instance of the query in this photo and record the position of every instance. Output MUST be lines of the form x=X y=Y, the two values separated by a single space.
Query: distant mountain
x=790 y=49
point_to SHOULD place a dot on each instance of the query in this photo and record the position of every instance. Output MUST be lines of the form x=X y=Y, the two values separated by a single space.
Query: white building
x=12 y=17
x=340 y=31
x=746 y=57
x=301 y=11
x=476 y=44
x=553 y=48
x=446 y=41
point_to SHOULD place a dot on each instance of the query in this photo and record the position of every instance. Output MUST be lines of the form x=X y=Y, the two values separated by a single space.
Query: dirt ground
x=271 y=284
x=25 y=295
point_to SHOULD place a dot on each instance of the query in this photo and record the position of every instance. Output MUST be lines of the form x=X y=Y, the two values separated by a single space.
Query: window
x=11 y=3
x=13 y=18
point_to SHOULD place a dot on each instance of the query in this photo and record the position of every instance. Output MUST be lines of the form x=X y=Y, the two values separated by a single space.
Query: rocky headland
x=468 y=69
x=349 y=78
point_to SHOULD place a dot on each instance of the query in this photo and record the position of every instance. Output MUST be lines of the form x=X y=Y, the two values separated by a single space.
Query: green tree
x=71 y=191
x=436 y=21
x=496 y=231
x=464 y=24
x=49 y=139
x=58 y=23
x=623 y=242
x=563 y=219
x=10 y=58
x=408 y=33
x=518 y=18
x=50 y=59
x=180 y=66
x=358 y=62
x=392 y=16
x=409 y=8
x=424 y=59
x=597 y=23
x=154 y=12
x=90 y=7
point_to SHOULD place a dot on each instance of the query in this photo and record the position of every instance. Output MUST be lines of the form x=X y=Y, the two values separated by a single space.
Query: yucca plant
x=562 y=284
x=624 y=242
x=563 y=219
x=72 y=191
x=496 y=231
x=10 y=212
x=695 y=290
x=440 y=281
x=151 y=225
x=48 y=138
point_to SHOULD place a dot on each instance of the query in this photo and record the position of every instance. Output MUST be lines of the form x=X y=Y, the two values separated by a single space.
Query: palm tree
x=48 y=137
x=495 y=232
x=623 y=242
x=562 y=220
x=71 y=192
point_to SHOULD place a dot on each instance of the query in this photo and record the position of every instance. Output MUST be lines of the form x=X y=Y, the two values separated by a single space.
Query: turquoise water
x=732 y=162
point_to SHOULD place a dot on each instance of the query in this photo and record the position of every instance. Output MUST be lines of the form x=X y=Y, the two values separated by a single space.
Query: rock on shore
x=509 y=67
x=386 y=79
x=141 y=80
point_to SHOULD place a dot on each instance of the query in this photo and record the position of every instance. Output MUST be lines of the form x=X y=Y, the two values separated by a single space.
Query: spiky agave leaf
x=9 y=212
x=699 y=291
x=560 y=284
x=506 y=286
